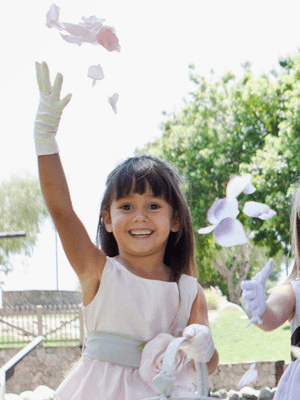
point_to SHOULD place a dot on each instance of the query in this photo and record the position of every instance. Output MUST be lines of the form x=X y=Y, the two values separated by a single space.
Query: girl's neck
x=145 y=268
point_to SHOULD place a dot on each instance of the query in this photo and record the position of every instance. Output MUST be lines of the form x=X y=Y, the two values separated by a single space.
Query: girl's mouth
x=140 y=232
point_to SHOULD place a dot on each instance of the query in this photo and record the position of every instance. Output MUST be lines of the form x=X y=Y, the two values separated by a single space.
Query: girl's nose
x=140 y=215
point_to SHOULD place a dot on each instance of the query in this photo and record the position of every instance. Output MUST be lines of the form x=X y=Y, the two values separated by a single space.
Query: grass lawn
x=236 y=343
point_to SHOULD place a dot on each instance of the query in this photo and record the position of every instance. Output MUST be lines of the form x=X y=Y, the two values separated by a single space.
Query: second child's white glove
x=49 y=110
x=253 y=296
x=199 y=346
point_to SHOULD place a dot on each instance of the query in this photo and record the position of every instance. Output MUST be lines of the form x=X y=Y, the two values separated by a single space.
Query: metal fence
x=59 y=325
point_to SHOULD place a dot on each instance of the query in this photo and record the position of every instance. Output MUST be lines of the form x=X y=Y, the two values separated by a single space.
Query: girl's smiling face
x=141 y=224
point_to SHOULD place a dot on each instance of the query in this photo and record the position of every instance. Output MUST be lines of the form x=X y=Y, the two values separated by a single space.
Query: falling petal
x=239 y=184
x=92 y=22
x=71 y=39
x=108 y=39
x=207 y=229
x=52 y=17
x=268 y=215
x=222 y=208
x=96 y=73
x=230 y=232
x=258 y=210
x=249 y=377
x=113 y=101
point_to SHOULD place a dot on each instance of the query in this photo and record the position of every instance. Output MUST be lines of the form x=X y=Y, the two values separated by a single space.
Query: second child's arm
x=279 y=307
x=86 y=259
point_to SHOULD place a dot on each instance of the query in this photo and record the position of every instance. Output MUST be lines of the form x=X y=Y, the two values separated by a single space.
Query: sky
x=159 y=39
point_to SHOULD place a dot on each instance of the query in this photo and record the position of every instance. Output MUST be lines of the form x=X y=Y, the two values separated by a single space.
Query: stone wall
x=49 y=365
x=43 y=297
x=227 y=376
x=43 y=366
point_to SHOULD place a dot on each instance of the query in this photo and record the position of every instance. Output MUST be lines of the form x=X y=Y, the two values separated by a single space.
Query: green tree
x=21 y=209
x=232 y=126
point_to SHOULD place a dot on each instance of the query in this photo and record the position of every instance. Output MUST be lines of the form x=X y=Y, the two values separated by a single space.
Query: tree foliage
x=231 y=126
x=21 y=209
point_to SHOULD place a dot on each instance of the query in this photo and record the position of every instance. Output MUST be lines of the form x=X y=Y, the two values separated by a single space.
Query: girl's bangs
x=127 y=182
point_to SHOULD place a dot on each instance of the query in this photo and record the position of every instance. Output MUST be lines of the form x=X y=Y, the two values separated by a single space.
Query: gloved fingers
x=63 y=102
x=191 y=330
x=249 y=285
x=45 y=79
x=38 y=75
x=55 y=92
x=249 y=294
x=264 y=274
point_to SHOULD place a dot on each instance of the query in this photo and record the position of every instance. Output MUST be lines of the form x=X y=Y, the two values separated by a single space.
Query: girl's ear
x=107 y=221
x=175 y=223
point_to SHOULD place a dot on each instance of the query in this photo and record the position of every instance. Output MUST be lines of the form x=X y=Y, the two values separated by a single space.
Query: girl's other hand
x=199 y=345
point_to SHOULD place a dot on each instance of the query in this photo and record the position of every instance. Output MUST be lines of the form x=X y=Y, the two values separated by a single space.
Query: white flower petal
x=230 y=232
x=96 y=73
x=207 y=229
x=52 y=17
x=113 y=101
x=84 y=34
x=222 y=208
x=92 y=22
x=239 y=184
x=249 y=377
x=258 y=210
x=255 y=209
x=268 y=215
x=71 y=39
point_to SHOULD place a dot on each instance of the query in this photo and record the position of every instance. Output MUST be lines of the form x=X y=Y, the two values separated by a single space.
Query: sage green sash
x=114 y=348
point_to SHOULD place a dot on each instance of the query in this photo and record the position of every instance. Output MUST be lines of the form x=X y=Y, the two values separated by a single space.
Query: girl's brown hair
x=134 y=175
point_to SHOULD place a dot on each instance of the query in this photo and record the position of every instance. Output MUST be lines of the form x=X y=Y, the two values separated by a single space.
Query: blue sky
x=158 y=39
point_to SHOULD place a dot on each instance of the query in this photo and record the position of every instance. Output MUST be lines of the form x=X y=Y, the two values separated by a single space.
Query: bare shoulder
x=199 y=312
x=286 y=290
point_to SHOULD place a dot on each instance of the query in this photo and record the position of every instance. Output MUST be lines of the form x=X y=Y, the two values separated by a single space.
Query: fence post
x=81 y=321
x=39 y=311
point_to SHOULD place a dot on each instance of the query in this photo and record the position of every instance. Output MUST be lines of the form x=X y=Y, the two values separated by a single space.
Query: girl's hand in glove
x=253 y=296
x=49 y=110
x=200 y=345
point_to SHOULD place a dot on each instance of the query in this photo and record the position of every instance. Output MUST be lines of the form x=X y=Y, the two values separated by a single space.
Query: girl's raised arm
x=86 y=259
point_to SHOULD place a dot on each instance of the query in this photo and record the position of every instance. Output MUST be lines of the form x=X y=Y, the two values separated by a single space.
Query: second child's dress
x=130 y=305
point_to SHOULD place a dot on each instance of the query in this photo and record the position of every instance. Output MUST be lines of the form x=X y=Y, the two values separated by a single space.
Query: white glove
x=199 y=346
x=49 y=111
x=253 y=296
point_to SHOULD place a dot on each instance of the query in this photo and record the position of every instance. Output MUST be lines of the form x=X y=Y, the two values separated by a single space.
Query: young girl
x=138 y=288
x=282 y=305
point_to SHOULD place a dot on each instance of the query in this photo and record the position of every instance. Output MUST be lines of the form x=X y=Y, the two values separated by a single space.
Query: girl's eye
x=154 y=206
x=126 y=207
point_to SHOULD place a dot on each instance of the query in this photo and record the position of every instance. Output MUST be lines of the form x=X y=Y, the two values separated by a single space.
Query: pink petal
x=222 y=208
x=230 y=232
x=113 y=101
x=207 y=229
x=258 y=210
x=52 y=17
x=108 y=39
x=239 y=184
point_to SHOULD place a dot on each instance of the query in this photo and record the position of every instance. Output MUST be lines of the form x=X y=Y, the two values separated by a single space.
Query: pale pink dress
x=289 y=384
x=143 y=308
